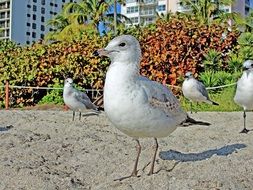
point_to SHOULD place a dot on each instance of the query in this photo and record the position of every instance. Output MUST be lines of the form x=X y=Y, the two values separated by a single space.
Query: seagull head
x=122 y=49
x=248 y=65
x=68 y=82
x=188 y=75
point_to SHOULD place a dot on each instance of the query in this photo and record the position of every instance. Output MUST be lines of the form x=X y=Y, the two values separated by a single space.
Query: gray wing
x=161 y=97
x=202 y=89
x=83 y=98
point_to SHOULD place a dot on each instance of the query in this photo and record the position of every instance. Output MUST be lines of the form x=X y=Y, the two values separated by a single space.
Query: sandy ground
x=46 y=150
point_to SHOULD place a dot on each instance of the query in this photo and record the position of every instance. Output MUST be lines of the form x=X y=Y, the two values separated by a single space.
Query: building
x=145 y=11
x=24 y=21
x=240 y=6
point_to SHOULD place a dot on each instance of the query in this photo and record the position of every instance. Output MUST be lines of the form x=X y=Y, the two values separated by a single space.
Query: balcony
x=148 y=2
x=247 y=2
x=181 y=8
x=147 y=12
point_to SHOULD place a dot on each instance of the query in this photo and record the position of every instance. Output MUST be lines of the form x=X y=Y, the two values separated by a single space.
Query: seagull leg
x=73 y=118
x=138 y=147
x=191 y=107
x=154 y=157
x=80 y=115
x=134 y=172
x=197 y=107
x=244 y=123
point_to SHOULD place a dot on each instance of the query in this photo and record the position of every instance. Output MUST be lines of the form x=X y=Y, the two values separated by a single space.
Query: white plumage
x=244 y=90
x=75 y=99
x=136 y=105
x=195 y=90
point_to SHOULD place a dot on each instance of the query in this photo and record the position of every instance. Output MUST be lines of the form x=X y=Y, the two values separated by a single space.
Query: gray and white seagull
x=136 y=105
x=76 y=100
x=244 y=91
x=195 y=90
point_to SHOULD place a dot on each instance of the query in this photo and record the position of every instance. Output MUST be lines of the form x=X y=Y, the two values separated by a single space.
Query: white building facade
x=145 y=11
x=25 y=21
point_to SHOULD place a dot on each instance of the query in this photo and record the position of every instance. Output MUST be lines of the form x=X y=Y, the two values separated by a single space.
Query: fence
x=94 y=93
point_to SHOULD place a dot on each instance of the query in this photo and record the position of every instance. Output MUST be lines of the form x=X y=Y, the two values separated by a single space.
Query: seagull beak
x=101 y=52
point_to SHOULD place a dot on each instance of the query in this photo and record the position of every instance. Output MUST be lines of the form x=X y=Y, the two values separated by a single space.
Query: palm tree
x=207 y=10
x=66 y=26
x=246 y=23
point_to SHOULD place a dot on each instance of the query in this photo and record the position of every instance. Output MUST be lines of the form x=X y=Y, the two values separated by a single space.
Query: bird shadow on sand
x=193 y=157
x=6 y=128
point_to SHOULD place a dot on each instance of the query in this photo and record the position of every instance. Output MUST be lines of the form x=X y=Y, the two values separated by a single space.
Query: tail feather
x=214 y=103
x=191 y=121
x=100 y=109
x=211 y=102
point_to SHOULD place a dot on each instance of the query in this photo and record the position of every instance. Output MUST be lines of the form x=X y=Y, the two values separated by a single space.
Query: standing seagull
x=195 y=90
x=136 y=105
x=75 y=99
x=244 y=91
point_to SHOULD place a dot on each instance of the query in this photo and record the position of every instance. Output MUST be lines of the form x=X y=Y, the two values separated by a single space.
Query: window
x=28 y=6
x=133 y=9
x=42 y=10
x=35 y=1
x=42 y=36
x=28 y=15
x=34 y=8
x=134 y=20
x=55 y=5
x=28 y=24
x=27 y=42
x=130 y=1
x=51 y=4
x=34 y=17
x=2 y=15
x=161 y=7
x=63 y=1
x=2 y=33
x=33 y=26
x=148 y=11
x=34 y=35
x=2 y=24
x=42 y=19
x=28 y=33
x=149 y=20
x=2 y=6
x=42 y=28
x=43 y=2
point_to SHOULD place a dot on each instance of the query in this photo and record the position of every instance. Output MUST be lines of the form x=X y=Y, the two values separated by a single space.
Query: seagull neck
x=124 y=70
x=67 y=89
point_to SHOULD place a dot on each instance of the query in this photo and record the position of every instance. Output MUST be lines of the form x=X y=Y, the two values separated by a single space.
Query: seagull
x=244 y=91
x=76 y=100
x=195 y=90
x=134 y=104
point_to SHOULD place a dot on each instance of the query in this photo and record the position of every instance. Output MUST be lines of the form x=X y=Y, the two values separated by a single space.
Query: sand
x=46 y=150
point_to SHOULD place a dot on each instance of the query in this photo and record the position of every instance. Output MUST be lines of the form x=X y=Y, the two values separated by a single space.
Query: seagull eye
x=122 y=44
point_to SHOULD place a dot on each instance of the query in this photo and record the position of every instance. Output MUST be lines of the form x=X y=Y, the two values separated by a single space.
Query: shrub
x=170 y=48
x=180 y=45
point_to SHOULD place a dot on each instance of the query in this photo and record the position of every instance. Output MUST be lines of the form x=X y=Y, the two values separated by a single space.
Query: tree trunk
x=115 y=16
